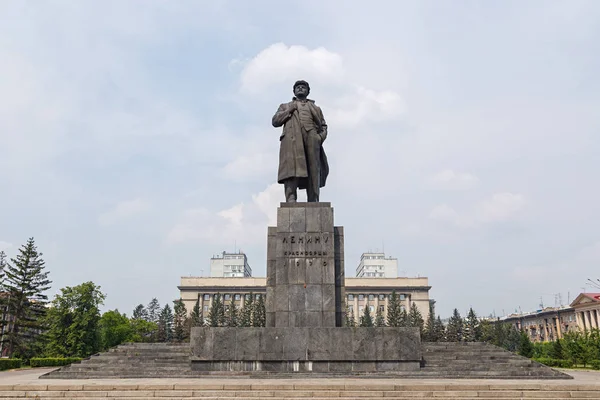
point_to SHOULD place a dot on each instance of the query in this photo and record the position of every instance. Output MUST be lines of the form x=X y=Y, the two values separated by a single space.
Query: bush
x=52 y=362
x=595 y=364
x=552 y=362
x=9 y=363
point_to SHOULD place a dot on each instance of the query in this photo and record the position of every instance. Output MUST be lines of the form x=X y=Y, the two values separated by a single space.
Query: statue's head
x=301 y=89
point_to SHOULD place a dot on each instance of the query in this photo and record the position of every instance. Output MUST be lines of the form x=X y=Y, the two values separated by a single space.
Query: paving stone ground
x=30 y=377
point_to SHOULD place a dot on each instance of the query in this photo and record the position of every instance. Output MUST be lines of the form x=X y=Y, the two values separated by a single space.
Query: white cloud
x=280 y=63
x=124 y=210
x=241 y=223
x=501 y=207
x=452 y=180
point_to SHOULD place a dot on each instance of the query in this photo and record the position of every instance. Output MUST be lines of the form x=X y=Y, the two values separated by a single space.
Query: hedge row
x=595 y=364
x=52 y=362
x=9 y=363
x=553 y=362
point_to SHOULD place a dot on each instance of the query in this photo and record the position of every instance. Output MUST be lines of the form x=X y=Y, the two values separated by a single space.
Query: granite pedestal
x=304 y=311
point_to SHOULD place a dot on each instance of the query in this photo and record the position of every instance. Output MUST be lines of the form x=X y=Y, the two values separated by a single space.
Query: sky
x=136 y=139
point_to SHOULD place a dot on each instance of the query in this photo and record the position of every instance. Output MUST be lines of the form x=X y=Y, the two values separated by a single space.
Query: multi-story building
x=545 y=325
x=360 y=292
x=587 y=310
x=376 y=265
x=230 y=265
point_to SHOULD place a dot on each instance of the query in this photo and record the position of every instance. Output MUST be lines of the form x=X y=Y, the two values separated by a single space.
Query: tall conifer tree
x=26 y=283
x=180 y=321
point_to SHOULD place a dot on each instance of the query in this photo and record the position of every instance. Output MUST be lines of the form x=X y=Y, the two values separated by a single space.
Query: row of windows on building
x=372 y=296
x=227 y=296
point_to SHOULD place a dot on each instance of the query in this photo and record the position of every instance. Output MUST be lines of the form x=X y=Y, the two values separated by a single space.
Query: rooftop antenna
x=541 y=303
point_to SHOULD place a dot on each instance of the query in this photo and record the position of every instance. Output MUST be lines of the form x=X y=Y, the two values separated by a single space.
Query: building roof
x=585 y=298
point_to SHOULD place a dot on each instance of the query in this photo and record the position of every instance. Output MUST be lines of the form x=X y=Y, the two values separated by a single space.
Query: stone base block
x=305 y=349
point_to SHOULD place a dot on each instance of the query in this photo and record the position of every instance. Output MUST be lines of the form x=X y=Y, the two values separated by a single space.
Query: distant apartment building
x=376 y=265
x=360 y=292
x=230 y=265
x=544 y=325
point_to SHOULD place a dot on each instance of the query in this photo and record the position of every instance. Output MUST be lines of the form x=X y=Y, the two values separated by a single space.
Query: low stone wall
x=305 y=349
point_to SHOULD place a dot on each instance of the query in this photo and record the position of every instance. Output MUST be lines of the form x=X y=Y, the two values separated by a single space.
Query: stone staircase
x=131 y=360
x=211 y=389
x=480 y=360
x=440 y=360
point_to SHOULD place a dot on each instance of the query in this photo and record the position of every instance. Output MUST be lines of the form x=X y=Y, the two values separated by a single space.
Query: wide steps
x=207 y=391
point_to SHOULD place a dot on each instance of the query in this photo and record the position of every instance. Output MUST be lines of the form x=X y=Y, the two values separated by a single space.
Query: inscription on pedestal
x=303 y=267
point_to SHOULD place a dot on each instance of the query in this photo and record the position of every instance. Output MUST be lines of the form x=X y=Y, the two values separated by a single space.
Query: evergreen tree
x=366 y=320
x=73 y=321
x=26 y=283
x=487 y=331
x=153 y=310
x=403 y=320
x=216 y=314
x=246 y=313
x=379 y=320
x=500 y=334
x=429 y=333
x=440 y=330
x=394 y=311
x=196 y=317
x=140 y=312
x=180 y=322
x=165 y=324
x=556 y=351
x=350 y=320
x=513 y=338
x=415 y=319
x=472 y=331
x=2 y=274
x=259 y=314
x=525 y=348
x=454 y=330
x=232 y=314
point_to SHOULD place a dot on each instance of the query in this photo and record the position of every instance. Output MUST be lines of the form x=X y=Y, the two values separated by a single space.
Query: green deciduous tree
x=394 y=311
x=259 y=314
x=73 y=321
x=115 y=328
x=25 y=284
x=366 y=320
x=180 y=322
x=454 y=330
x=472 y=329
x=165 y=324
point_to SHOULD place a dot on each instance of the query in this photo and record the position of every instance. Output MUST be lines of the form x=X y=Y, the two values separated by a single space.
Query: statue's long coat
x=292 y=156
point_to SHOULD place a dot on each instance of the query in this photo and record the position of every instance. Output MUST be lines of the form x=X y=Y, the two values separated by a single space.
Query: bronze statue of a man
x=302 y=160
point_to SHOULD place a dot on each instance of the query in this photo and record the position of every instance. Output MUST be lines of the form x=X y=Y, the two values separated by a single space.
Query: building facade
x=545 y=325
x=360 y=292
x=376 y=265
x=587 y=311
x=230 y=265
